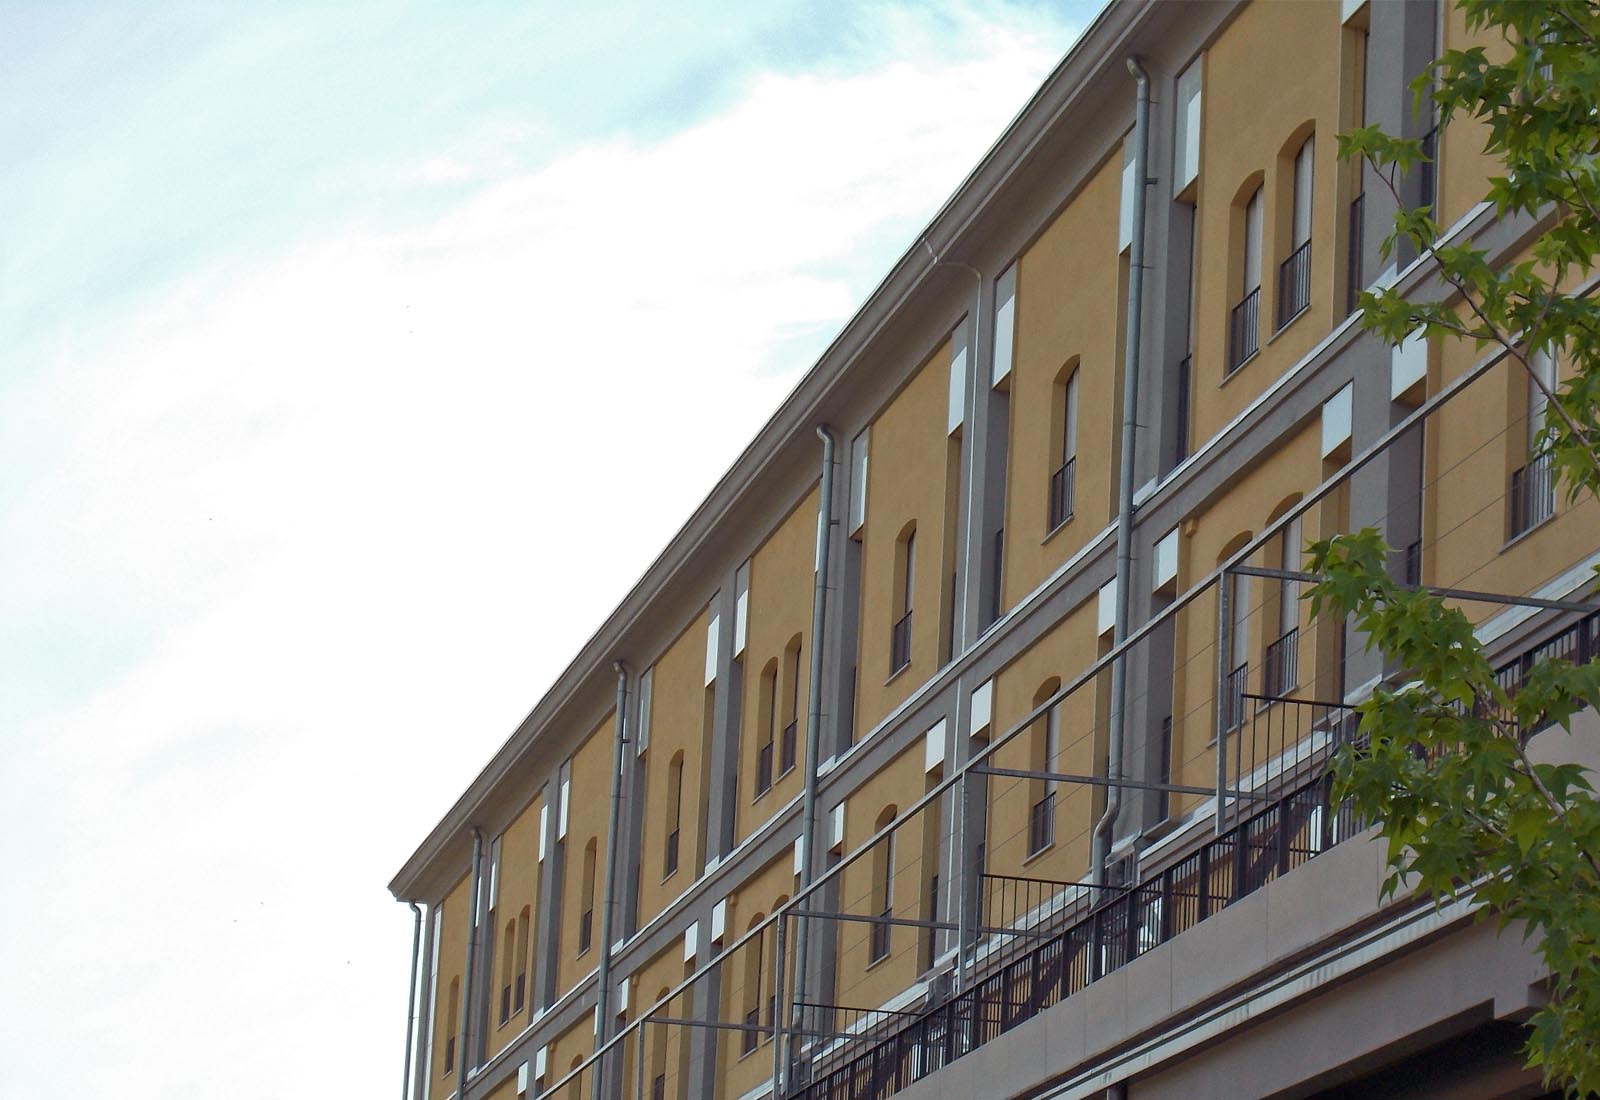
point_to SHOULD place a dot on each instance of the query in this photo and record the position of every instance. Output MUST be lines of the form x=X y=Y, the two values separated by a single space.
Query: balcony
x=751 y=1037
x=1042 y=824
x=1281 y=669
x=585 y=931
x=1294 y=285
x=788 y=747
x=1244 y=330
x=900 y=644
x=521 y=996
x=1532 y=499
x=1062 y=486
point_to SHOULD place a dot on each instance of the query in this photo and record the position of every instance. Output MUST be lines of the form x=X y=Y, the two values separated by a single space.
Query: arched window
x=452 y=1025
x=1045 y=753
x=519 y=993
x=1244 y=322
x=767 y=715
x=1063 y=482
x=586 y=917
x=789 y=739
x=1294 y=276
x=669 y=858
x=882 y=888
x=754 y=949
x=905 y=583
x=1280 y=666
x=508 y=963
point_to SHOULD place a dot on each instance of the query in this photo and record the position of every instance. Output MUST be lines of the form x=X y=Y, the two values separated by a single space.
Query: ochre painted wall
x=863 y=982
x=909 y=454
x=457 y=907
x=587 y=820
x=1260 y=101
x=519 y=890
x=749 y=974
x=781 y=590
x=1063 y=653
x=677 y=725
x=1068 y=302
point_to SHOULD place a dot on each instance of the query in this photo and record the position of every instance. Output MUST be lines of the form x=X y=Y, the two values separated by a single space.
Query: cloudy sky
x=297 y=518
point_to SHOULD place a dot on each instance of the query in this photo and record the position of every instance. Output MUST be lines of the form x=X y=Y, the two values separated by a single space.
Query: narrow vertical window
x=1281 y=671
x=882 y=890
x=1044 y=756
x=905 y=590
x=768 y=717
x=1244 y=323
x=1239 y=649
x=519 y=989
x=508 y=962
x=1063 y=481
x=586 y=917
x=789 y=740
x=453 y=1023
x=753 y=950
x=1533 y=489
x=1294 y=277
x=669 y=858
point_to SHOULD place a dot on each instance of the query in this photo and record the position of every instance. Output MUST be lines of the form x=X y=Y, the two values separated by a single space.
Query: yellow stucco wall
x=757 y=896
x=1068 y=301
x=909 y=452
x=587 y=819
x=781 y=575
x=1063 y=653
x=1260 y=101
x=1249 y=503
x=519 y=889
x=457 y=910
x=862 y=982
x=1464 y=168
x=677 y=725
x=666 y=1045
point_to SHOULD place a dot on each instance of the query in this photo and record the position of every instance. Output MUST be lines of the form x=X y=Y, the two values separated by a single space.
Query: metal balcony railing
x=997 y=578
x=764 y=769
x=900 y=644
x=1062 y=486
x=1233 y=697
x=1355 y=281
x=1532 y=499
x=930 y=956
x=1042 y=824
x=585 y=931
x=1085 y=945
x=1244 y=330
x=788 y=748
x=521 y=996
x=1294 y=285
x=1280 y=670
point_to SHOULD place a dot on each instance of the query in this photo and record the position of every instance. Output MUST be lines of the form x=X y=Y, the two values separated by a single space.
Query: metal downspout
x=465 y=1059
x=602 y=1004
x=411 y=994
x=808 y=812
x=1130 y=413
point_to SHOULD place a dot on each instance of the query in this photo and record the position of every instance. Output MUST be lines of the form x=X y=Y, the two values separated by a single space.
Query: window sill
x=1032 y=856
x=1057 y=529
x=1236 y=371
x=1521 y=535
x=897 y=673
x=1287 y=325
x=873 y=964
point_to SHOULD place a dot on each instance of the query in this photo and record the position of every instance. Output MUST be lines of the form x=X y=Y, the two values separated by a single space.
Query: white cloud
x=361 y=501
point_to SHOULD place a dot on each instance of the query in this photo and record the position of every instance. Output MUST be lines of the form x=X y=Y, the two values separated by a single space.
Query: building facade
x=969 y=740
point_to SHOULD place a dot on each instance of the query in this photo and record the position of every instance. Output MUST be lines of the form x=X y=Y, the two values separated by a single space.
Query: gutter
x=808 y=811
x=602 y=1004
x=1130 y=416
